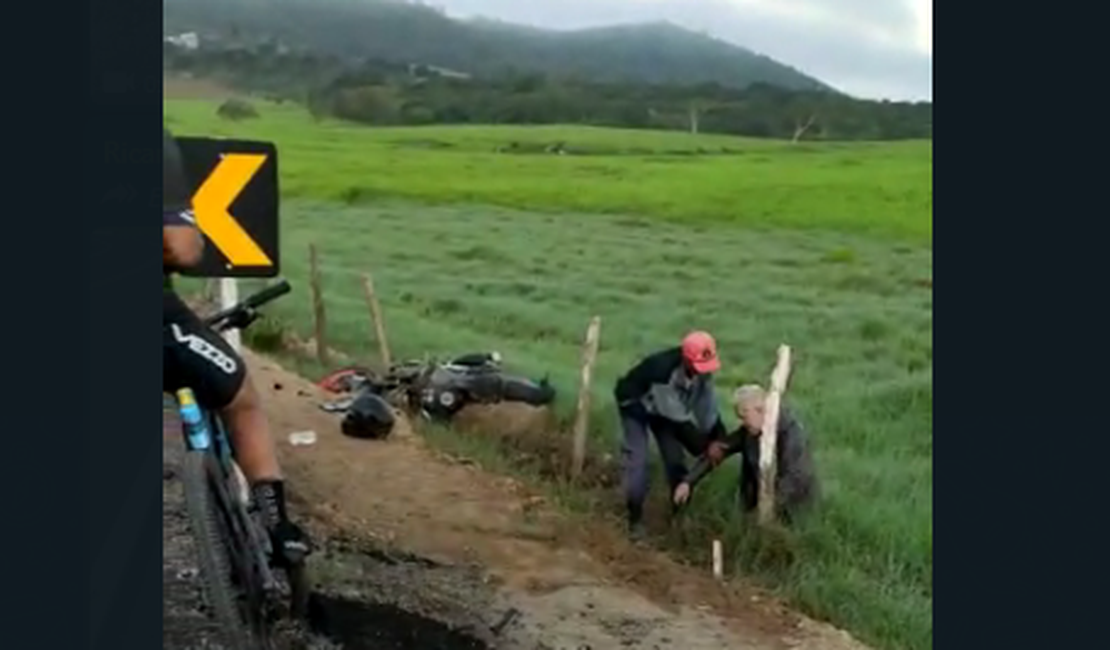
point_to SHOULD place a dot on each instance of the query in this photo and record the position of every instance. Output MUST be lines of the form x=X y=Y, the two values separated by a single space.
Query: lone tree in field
x=237 y=109
x=801 y=127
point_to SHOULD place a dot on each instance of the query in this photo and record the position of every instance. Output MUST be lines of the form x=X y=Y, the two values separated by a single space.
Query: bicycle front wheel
x=209 y=530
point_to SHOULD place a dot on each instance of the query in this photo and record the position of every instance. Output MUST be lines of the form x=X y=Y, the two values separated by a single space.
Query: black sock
x=269 y=495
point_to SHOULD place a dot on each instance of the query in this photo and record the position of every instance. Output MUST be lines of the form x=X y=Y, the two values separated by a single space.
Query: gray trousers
x=634 y=457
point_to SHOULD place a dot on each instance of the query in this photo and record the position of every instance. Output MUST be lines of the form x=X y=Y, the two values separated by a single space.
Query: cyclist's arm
x=182 y=243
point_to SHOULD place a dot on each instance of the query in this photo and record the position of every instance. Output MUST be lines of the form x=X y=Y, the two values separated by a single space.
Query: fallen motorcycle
x=436 y=390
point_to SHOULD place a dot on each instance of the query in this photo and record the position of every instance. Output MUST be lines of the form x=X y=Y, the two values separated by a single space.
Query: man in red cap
x=669 y=393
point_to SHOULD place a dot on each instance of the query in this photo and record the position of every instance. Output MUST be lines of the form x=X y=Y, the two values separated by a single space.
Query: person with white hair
x=795 y=478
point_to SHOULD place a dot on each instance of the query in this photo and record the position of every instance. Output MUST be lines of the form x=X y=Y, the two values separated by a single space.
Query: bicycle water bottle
x=195 y=428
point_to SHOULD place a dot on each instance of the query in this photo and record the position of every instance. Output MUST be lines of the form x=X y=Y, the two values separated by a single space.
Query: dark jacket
x=795 y=475
x=657 y=390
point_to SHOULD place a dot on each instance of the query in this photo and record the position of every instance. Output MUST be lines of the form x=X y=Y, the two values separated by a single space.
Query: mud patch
x=357 y=625
x=371 y=595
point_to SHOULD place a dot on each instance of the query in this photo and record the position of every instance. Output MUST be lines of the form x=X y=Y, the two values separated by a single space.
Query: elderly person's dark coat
x=795 y=479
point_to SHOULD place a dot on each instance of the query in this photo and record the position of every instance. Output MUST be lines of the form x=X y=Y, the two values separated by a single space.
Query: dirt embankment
x=423 y=552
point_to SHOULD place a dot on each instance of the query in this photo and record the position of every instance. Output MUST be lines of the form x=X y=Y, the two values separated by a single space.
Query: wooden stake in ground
x=318 y=307
x=582 y=417
x=768 y=435
x=376 y=316
x=718 y=560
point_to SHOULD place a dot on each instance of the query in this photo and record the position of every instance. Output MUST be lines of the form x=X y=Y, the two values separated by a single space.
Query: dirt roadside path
x=409 y=533
x=574 y=583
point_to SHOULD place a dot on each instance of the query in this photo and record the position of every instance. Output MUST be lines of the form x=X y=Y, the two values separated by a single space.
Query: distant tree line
x=385 y=93
x=409 y=31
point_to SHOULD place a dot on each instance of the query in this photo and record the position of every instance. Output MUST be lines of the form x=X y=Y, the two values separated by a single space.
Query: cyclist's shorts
x=194 y=356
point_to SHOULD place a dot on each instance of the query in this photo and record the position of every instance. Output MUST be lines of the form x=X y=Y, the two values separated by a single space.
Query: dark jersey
x=192 y=354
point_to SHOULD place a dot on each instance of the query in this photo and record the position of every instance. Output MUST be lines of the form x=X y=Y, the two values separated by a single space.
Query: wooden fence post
x=769 y=434
x=582 y=417
x=379 y=320
x=318 y=306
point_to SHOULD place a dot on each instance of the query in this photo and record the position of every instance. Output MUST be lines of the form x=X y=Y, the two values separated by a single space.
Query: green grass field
x=858 y=187
x=827 y=248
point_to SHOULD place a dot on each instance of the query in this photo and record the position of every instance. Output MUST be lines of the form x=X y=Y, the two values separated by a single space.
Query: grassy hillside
x=882 y=189
x=827 y=248
x=399 y=31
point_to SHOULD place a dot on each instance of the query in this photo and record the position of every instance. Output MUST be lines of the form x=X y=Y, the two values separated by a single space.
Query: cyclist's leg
x=250 y=432
x=196 y=356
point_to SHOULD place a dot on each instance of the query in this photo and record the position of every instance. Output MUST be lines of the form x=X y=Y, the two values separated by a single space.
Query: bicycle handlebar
x=223 y=319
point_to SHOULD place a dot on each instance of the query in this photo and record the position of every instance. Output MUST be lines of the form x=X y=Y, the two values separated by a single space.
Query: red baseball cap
x=700 y=351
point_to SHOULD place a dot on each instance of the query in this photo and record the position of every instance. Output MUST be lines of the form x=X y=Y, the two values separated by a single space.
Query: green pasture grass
x=881 y=189
x=856 y=310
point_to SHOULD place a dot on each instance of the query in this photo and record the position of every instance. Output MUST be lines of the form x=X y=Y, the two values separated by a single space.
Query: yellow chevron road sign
x=235 y=200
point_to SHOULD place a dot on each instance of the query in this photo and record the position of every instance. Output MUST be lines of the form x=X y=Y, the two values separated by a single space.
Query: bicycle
x=243 y=592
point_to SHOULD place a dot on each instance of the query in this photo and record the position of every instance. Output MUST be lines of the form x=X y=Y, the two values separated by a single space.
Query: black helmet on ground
x=369 y=417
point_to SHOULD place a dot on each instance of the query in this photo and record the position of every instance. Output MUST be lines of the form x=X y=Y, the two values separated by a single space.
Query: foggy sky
x=867 y=48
